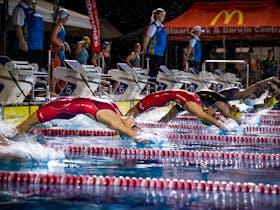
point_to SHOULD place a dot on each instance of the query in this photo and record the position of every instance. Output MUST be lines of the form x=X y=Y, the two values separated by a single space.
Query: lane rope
x=223 y=140
x=161 y=183
x=242 y=160
x=171 y=153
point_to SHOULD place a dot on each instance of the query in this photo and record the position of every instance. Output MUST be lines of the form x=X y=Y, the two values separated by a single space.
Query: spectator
x=193 y=51
x=59 y=46
x=103 y=59
x=81 y=51
x=134 y=59
x=29 y=29
x=155 y=42
x=58 y=39
x=269 y=65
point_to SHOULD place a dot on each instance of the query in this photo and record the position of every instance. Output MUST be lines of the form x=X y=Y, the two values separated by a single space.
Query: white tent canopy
x=76 y=21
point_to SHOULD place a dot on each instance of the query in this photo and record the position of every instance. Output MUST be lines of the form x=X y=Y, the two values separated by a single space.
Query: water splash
x=26 y=148
x=7 y=128
x=154 y=115
x=254 y=120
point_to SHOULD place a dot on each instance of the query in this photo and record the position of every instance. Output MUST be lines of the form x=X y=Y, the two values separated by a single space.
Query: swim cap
x=205 y=122
x=63 y=13
x=272 y=102
x=86 y=39
x=104 y=45
x=236 y=114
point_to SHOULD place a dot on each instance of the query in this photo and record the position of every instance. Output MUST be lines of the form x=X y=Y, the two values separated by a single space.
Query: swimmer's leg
x=27 y=124
x=133 y=111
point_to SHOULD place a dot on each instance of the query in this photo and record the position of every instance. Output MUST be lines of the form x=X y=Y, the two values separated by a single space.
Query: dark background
x=130 y=15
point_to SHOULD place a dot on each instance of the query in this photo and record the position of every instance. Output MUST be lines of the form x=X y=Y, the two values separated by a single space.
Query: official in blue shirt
x=155 y=42
x=193 y=52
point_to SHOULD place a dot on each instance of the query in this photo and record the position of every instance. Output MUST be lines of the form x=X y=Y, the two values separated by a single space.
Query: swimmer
x=236 y=93
x=66 y=108
x=219 y=101
x=270 y=101
x=184 y=101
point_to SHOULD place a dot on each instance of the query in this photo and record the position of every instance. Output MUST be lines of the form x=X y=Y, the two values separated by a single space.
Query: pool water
x=27 y=196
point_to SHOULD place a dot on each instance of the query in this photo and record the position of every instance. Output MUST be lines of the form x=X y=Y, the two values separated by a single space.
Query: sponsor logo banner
x=94 y=20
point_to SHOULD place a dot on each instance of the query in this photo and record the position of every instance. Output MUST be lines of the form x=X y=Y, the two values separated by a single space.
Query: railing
x=229 y=61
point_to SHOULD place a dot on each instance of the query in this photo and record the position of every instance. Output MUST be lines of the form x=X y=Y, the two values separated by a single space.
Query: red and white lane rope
x=171 y=153
x=270 y=121
x=181 y=157
x=223 y=140
x=173 y=125
x=263 y=120
x=72 y=132
x=272 y=113
x=66 y=179
x=274 y=130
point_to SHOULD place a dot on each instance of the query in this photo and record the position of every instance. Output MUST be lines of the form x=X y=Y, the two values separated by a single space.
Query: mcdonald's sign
x=228 y=17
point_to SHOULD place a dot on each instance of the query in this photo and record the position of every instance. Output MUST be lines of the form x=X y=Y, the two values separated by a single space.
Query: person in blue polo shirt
x=29 y=31
x=155 y=42
x=193 y=51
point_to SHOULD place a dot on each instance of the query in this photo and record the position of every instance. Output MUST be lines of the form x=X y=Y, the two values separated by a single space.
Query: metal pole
x=247 y=75
x=224 y=46
x=166 y=56
x=176 y=56
x=204 y=66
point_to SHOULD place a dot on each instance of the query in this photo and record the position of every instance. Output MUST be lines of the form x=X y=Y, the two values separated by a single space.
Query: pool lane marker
x=181 y=157
x=151 y=183
x=271 y=120
x=171 y=153
x=274 y=130
x=178 y=137
x=247 y=115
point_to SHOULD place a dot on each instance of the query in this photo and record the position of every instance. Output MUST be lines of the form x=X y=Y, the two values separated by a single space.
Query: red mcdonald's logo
x=228 y=17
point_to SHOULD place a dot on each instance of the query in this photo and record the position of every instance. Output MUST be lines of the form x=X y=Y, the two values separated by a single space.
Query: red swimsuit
x=162 y=98
x=66 y=108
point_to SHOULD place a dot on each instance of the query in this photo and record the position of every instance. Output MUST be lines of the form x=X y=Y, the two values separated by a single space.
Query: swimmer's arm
x=267 y=101
x=171 y=114
x=94 y=59
x=275 y=93
x=146 y=43
x=246 y=93
x=113 y=121
x=197 y=110
x=54 y=38
x=224 y=109
x=130 y=58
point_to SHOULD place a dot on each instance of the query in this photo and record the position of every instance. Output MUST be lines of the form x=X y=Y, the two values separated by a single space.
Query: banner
x=228 y=16
x=94 y=20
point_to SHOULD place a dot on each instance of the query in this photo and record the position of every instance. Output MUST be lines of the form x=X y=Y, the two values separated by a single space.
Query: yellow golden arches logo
x=228 y=17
